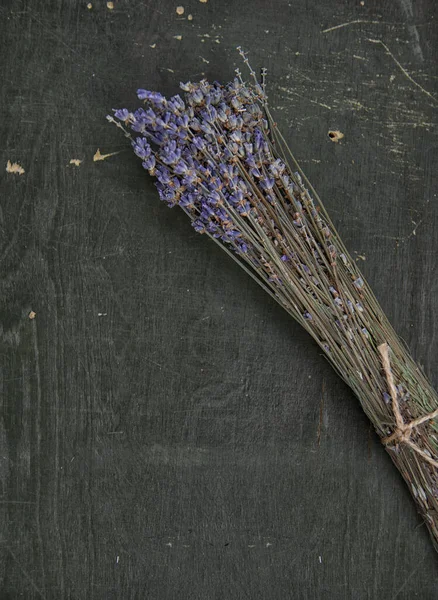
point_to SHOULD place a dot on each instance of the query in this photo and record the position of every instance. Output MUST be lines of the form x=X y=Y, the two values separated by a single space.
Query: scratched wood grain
x=167 y=432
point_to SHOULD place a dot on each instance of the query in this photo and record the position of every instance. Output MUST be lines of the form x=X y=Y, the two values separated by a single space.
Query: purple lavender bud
x=214 y=198
x=244 y=208
x=163 y=175
x=196 y=96
x=206 y=211
x=236 y=198
x=236 y=136
x=198 y=226
x=187 y=201
x=149 y=163
x=284 y=258
x=122 y=113
x=152 y=97
x=141 y=147
x=267 y=183
x=236 y=104
x=307 y=316
x=207 y=128
x=358 y=283
x=277 y=168
x=386 y=398
x=180 y=168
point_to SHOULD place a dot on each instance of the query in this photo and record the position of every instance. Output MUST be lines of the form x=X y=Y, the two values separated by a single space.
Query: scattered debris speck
x=203 y=1
x=178 y=37
x=335 y=136
x=110 y=5
x=180 y=10
x=204 y=60
x=362 y=2
x=14 y=168
x=89 y=6
x=391 y=78
x=189 y=17
x=32 y=314
x=75 y=161
x=99 y=156
x=153 y=45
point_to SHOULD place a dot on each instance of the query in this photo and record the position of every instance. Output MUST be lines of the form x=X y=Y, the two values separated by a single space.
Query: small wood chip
x=335 y=136
x=32 y=314
x=14 y=168
x=75 y=161
x=99 y=156
x=180 y=10
x=110 y=5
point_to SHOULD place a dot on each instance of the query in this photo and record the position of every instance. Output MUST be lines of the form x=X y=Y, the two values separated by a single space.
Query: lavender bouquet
x=218 y=155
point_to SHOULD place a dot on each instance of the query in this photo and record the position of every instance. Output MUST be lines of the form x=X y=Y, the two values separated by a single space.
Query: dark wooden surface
x=167 y=431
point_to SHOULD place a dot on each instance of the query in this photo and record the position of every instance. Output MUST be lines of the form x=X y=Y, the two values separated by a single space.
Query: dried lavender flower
x=217 y=154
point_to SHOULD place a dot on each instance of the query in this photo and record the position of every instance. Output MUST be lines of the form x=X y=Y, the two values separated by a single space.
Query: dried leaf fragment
x=32 y=314
x=75 y=161
x=189 y=17
x=178 y=37
x=89 y=6
x=335 y=136
x=99 y=156
x=180 y=10
x=14 y=168
x=110 y=5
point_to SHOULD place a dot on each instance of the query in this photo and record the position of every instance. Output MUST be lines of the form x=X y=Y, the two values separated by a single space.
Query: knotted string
x=403 y=431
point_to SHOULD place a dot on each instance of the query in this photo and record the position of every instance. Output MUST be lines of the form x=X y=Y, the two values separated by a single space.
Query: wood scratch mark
x=26 y=574
x=402 y=69
x=370 y=442
x=408 y=578
x=288 y=91
x=16 y=502
x=99 y=156
x=352 y=23
x=321 y=414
